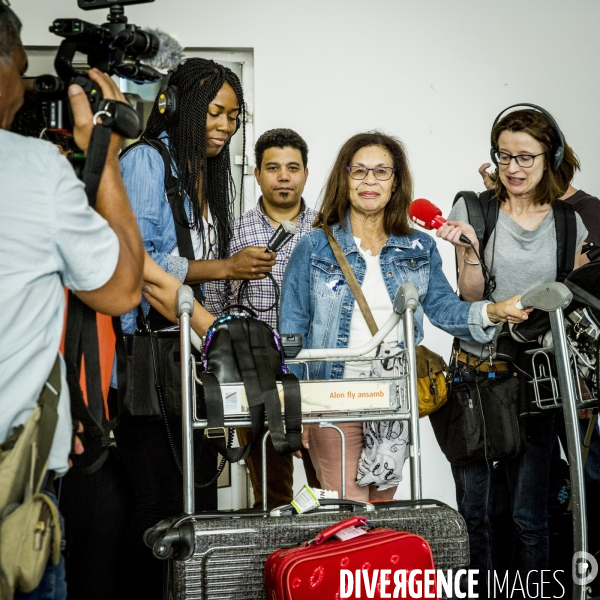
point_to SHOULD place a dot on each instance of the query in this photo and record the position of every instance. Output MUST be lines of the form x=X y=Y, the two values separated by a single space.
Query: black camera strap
x=81 y=348
x=116 y=116
x=95 y=159
x=81 y=334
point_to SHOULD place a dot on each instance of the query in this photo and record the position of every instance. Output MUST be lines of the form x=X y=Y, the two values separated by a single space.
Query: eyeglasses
x=211 y=237
x=523 y=160
x=360 y=172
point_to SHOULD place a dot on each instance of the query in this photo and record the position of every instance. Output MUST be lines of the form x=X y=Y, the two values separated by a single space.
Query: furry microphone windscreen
x=170 y=52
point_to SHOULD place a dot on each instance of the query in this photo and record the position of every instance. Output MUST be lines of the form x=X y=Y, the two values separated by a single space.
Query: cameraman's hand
x=82 y=111
x=250 y=263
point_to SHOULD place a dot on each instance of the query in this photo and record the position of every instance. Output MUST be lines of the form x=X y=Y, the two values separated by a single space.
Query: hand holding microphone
x=254 y=262
x=285 y=232
x=429 y=216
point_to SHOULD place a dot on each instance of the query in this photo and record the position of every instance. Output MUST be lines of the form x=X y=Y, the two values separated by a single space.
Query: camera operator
x=50 y=237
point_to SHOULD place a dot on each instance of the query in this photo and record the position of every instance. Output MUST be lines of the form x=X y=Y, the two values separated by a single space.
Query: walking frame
x=402 y=393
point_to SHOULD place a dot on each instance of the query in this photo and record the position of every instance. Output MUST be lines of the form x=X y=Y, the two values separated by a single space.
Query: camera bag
x=29 y=523
x=463 y=426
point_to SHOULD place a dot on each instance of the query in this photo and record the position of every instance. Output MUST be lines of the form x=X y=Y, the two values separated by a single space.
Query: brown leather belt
x=498 y=366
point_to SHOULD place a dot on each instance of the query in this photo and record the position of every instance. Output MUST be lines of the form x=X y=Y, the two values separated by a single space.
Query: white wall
x=433 y=72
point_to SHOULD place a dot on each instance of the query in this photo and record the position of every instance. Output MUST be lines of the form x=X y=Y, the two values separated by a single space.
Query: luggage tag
x=491 y=367
x=350 y=533
x=308 y=498
x=305 y=500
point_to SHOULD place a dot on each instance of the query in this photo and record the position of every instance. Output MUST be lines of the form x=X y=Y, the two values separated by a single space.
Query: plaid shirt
x=253 y=228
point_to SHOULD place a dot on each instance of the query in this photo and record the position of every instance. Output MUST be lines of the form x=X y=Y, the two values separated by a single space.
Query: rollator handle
x=185 y=304
x=547 y=296
x=406 y=297
x=185 y=301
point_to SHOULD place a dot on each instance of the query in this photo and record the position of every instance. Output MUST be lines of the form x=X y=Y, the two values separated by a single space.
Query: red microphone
x=429 y=216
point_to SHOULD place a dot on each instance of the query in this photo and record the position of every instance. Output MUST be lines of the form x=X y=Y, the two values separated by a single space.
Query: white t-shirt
x=49 y=237
x=378 y=299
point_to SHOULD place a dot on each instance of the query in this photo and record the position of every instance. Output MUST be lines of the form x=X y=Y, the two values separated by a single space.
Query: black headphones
x=558 y=152
x=168 y=98
x=168 y=101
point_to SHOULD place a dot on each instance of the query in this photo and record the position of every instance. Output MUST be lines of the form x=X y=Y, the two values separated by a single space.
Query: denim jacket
x=317 y=302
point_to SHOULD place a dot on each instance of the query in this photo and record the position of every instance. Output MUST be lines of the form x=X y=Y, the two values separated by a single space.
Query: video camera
x=116 y=47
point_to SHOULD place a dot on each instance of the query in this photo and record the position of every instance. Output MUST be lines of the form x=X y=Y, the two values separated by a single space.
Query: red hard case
x=312 y=570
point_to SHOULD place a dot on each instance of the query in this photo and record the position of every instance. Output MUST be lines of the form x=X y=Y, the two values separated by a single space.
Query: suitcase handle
x=331 y=531
x=407 y=503
x=353 y=505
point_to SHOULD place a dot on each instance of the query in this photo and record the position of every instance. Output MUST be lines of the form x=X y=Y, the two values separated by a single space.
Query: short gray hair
x=10 y=33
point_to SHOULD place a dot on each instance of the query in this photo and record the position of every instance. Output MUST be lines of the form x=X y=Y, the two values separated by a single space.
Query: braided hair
x=198 y=81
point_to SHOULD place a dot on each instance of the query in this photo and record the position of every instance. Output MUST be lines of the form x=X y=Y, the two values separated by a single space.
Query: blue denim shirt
x=317 y=302
x=143 y=172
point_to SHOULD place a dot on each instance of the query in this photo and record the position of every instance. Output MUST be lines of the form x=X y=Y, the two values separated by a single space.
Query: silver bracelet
x=469 y=262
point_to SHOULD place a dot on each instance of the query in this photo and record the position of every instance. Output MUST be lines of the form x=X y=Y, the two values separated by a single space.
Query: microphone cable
x=284 y=233
x=243 y=297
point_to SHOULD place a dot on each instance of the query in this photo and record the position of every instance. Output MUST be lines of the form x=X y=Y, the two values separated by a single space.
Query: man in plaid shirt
x=281 y=157
x=281 y=173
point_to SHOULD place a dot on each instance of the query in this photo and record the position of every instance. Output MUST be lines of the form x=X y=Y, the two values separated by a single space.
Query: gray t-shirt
x=518 y=258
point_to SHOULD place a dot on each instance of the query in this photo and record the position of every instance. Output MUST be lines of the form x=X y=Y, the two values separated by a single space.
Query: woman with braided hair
x=200 y=106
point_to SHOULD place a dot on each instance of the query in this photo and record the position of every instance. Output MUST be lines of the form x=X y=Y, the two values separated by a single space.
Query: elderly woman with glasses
x=364 y=210
x=534 y=168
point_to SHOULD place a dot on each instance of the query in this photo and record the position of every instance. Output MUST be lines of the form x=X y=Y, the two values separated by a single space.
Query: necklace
x=262 y=208
x=368 y=248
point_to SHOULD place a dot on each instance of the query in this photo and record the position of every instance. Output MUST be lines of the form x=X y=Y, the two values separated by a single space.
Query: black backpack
x=240 y=348
x=483 y=210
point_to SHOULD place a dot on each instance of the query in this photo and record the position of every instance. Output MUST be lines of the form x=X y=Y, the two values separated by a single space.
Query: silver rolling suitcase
x=222 y=557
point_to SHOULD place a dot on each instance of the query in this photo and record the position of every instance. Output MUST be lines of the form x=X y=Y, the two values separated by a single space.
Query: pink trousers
x=324 y=446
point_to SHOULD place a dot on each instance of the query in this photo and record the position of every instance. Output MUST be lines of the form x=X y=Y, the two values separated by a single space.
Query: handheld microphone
x=429 y=216
x=281 y=237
